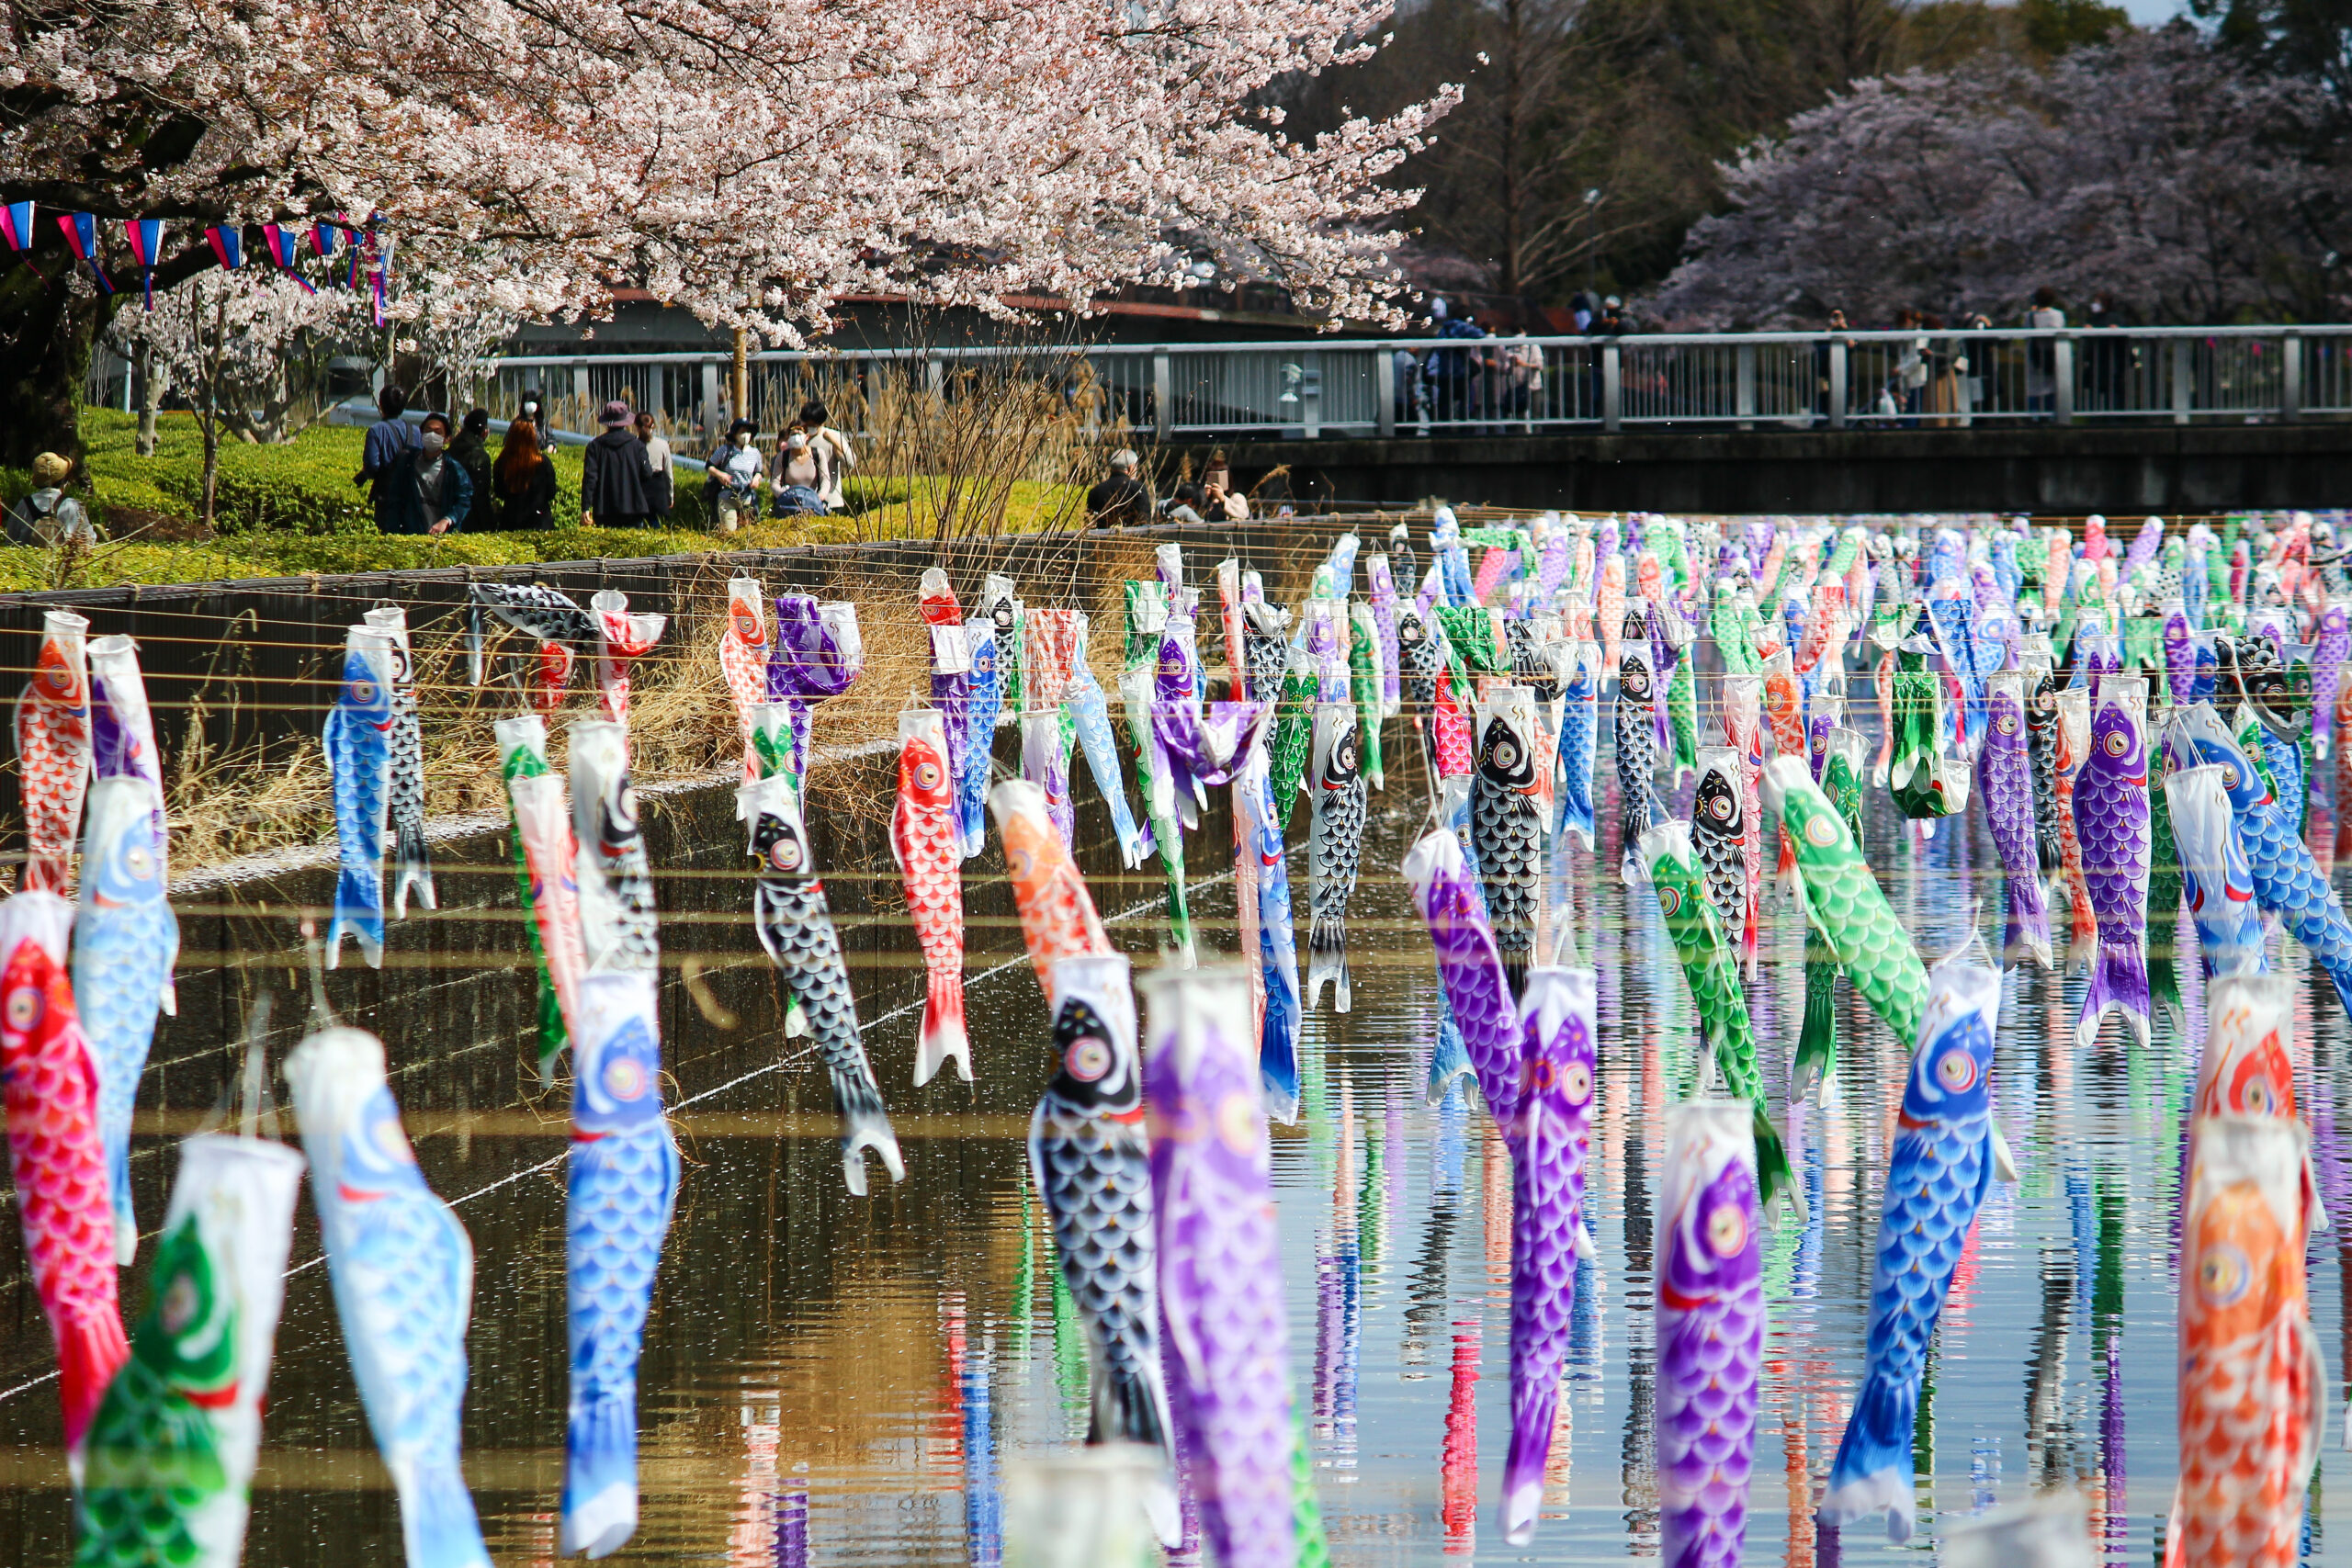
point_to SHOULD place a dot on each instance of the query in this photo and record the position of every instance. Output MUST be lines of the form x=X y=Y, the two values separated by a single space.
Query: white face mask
x=432 y=442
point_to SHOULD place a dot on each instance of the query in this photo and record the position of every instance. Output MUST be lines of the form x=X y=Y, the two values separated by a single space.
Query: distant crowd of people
x=425 y=477
x=1124 y=498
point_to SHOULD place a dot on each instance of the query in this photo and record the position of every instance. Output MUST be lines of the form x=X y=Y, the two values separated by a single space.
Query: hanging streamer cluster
x=2139 y=728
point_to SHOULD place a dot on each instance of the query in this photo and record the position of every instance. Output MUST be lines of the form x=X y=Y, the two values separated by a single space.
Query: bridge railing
x=1414 y=387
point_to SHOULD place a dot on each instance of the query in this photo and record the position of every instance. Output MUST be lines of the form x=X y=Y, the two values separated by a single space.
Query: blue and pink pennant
x=286 y=248
x=16 y=227
x=146 y=237
x=81 y=230
x=227 y=243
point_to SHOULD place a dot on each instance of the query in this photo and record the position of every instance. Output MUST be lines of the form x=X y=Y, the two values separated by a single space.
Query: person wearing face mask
x=430 y=491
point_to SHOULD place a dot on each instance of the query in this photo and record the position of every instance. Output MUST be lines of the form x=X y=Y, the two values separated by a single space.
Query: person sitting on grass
x=801 y=476
x=47 y=516
x=732 y=478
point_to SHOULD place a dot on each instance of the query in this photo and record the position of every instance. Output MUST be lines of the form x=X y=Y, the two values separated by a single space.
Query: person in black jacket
x=471 y=451
x=425 y=490
x=524 y=480
x=615 y=477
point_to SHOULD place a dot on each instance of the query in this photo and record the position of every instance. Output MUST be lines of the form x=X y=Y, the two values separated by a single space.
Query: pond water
x=859 y=1374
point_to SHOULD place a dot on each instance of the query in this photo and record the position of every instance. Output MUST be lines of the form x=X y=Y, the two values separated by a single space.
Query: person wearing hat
x=48 y=515
x=732 y=482
x=615 y=477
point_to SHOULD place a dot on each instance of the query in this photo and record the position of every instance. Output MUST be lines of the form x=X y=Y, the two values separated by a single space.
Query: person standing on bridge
x=1821 y=364
x=2040 y=355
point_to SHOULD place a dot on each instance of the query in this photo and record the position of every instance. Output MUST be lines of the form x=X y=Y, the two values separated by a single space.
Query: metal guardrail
x=1415 y=387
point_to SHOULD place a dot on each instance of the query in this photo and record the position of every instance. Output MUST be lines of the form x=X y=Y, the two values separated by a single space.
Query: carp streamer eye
x=785 y=854
x=362 y=691
x=1957 y=1072
x=1669 y=900
x=1088 y=1059
x=625 y=1077
x=1236 y=1122
x=1821 y=833
x=1575 y=1082
x=2117 y=743
x=2224 y=1275
x=1727 y=1231
x=926 y=775
x=1721 y=807
x=24 y=1006
x=138 y=862
x=179 y=1303
x=2008 y=724
x=1506 y=754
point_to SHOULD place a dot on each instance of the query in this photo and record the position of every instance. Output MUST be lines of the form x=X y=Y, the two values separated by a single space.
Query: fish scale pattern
x=2244 y=1412
x=1579 y=717
x=2005 y=784
x=1221 y=1300
x=58 y=1162
x=125 y=941
x=1469 y=966
x=358 y=752
x=53 y=752
x=1636 y=757
x=794 y=921
x=1096 y=1171
x=406 y=800
x=155 y=1466
x=1844 y=904
x=1506 y=827
x=2287 y=881
x=621 y=1187
x=1710 y=1341
x=1718 y=829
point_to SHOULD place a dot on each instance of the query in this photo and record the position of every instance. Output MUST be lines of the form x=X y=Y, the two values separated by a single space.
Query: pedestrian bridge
x=2111 y=419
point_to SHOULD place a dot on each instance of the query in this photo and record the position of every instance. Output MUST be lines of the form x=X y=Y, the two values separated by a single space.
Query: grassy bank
x=289 y=510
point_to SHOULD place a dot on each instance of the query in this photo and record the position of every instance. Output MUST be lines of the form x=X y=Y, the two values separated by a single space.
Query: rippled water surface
x=866 y=1369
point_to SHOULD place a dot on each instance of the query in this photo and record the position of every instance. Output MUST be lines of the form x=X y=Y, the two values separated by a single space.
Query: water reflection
x=830 y=1381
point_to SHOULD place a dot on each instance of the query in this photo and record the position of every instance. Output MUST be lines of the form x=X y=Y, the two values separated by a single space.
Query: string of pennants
x=367 y=248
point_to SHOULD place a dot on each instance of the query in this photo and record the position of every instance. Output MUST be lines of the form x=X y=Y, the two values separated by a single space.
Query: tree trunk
x=210 y=425
x=151 y=396
x=46 y=335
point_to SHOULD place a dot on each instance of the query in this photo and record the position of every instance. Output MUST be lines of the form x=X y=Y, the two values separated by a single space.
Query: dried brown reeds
x=227 y=806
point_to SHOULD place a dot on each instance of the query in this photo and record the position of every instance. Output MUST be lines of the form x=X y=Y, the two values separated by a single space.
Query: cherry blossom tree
x=242 y=352
x=753 y=160
x=2154 y=168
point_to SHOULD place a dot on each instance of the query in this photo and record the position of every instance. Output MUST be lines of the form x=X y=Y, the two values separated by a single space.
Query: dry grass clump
x=227 y=806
